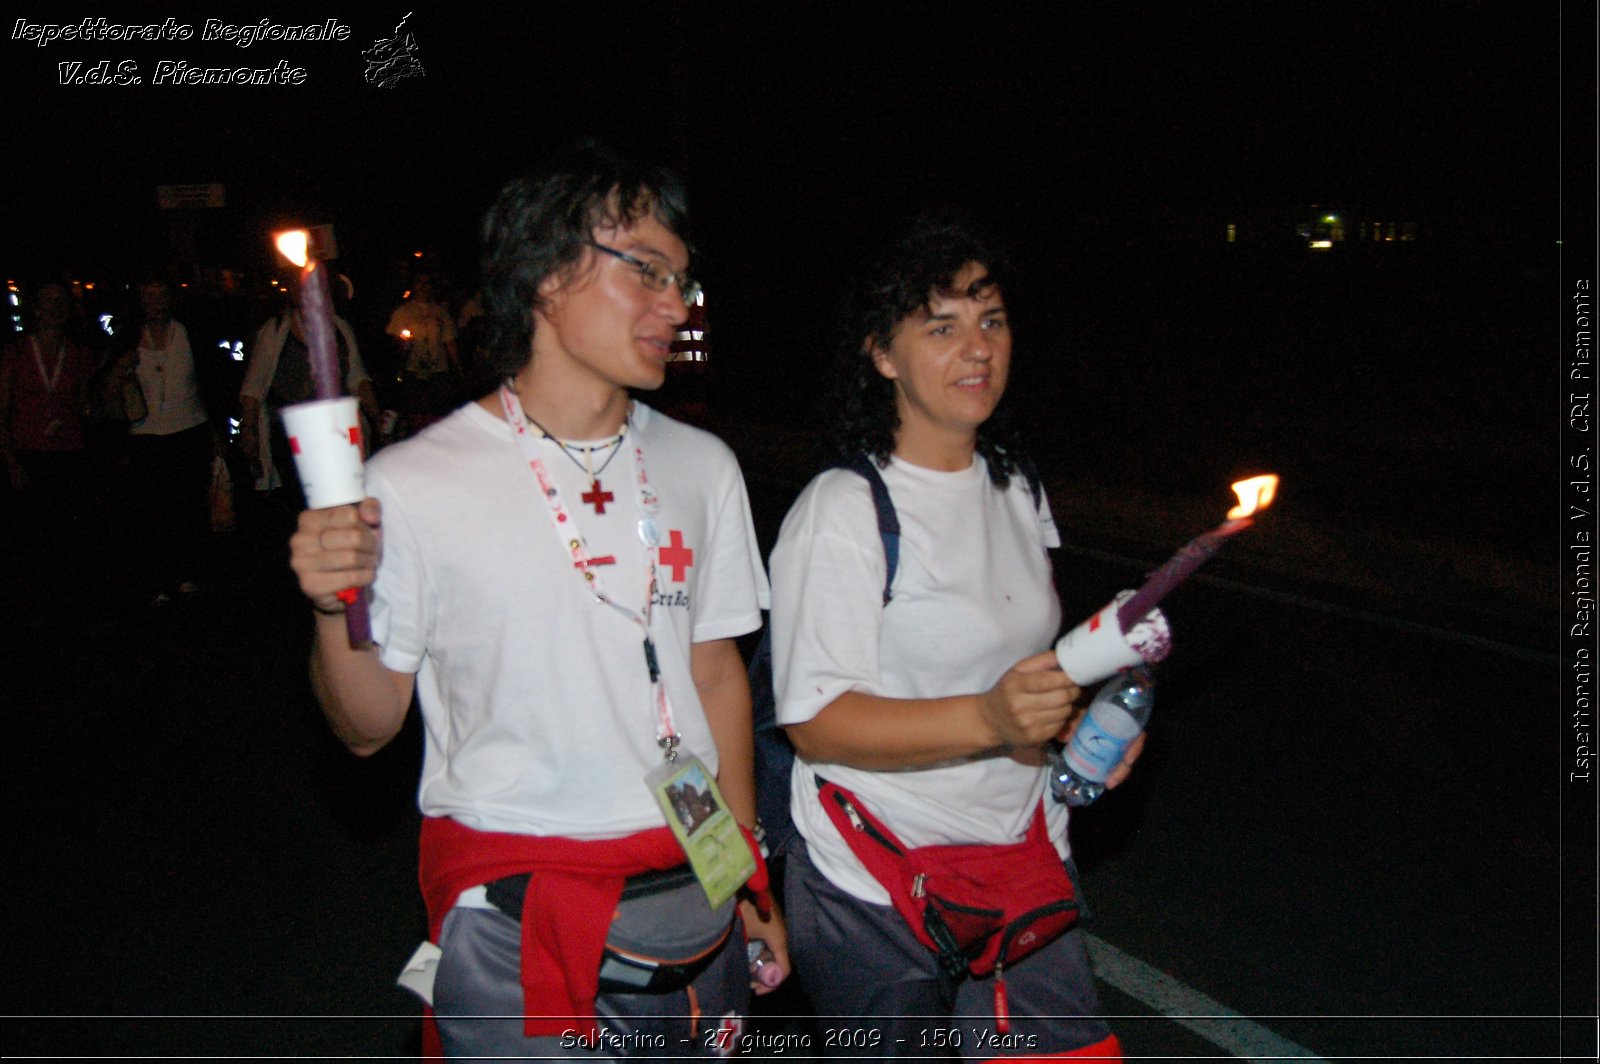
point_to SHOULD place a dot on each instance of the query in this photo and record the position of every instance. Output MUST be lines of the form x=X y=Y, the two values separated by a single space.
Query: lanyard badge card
x=700 y=820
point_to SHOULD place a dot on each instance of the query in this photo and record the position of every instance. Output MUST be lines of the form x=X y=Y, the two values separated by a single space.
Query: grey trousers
x=876 y=988
x=477 y=1000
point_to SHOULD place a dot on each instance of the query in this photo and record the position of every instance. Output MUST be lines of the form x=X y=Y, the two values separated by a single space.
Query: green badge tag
x=708 y=833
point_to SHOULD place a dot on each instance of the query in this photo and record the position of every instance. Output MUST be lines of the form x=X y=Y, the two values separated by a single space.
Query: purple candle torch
x=1130 y=629
x=316 y=312
x=1254 y=494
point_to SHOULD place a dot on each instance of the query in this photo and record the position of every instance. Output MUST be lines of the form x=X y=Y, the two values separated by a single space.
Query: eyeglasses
x=657 y=277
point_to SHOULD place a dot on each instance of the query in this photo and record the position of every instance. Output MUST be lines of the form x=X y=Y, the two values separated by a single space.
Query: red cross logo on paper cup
x=325 y=436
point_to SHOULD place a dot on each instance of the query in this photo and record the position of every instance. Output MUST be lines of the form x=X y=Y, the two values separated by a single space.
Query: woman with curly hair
x=919 y=691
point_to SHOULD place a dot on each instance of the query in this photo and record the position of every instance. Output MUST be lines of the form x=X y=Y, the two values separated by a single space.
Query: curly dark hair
x=898 y=282
x=540 y=224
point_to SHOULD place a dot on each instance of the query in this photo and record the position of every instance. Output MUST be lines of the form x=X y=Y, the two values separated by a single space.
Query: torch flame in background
x=405 y=334
x=1254 y=494
x=294 y=246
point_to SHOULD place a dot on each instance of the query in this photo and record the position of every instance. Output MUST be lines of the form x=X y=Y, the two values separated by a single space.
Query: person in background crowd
x=171 y=448
x=45 y=377
x=430 y=364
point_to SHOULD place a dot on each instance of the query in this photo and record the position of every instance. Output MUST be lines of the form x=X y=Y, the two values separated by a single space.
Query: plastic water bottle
x=1119 y=712
x=763 y=966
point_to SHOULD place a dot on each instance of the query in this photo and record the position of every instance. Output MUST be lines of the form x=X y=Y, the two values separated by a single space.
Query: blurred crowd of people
x=140 y=421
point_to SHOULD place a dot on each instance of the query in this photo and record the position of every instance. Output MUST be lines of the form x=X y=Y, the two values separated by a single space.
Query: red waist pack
x=978 y=908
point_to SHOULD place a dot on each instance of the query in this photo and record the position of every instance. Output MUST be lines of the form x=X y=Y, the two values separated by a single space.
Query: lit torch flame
x=294 y=246
x=405 y=334
x=1254 y=494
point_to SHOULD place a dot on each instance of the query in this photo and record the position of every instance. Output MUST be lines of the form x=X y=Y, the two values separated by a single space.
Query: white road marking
x=1216 y=1023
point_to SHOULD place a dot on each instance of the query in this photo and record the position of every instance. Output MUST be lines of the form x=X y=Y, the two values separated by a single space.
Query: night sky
x=793 y=120
x=1112 y=142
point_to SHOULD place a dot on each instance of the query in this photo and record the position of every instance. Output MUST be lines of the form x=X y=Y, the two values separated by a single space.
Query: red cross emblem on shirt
x=676 y=556
x=597 y=496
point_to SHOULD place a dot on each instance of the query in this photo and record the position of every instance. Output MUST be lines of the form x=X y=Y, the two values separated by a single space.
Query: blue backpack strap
x=888 y=520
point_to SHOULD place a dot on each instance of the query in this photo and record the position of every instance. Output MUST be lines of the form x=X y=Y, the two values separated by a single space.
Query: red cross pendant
x=597 y=496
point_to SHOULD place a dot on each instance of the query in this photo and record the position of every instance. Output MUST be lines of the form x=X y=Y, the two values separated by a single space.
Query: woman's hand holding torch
x=1030 y=703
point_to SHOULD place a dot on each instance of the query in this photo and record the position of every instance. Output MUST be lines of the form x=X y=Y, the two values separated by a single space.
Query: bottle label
x=1096 y=747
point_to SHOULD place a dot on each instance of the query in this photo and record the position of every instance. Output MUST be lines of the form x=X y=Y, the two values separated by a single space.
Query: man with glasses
x=559 y=573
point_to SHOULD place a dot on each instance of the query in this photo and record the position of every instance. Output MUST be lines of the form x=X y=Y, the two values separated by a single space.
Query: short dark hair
x=540 y=224
x=921 y=260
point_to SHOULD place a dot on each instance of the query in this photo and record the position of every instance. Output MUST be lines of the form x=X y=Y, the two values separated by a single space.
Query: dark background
x=1112 y=145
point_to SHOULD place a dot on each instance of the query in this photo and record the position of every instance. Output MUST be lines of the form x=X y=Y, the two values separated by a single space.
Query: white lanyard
x=49 y=379
x=566 y=530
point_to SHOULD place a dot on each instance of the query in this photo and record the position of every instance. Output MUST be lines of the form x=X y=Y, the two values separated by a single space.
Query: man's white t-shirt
x=536 y=699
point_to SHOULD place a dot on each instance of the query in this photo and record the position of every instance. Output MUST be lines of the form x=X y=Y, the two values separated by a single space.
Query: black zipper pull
x=650 y=659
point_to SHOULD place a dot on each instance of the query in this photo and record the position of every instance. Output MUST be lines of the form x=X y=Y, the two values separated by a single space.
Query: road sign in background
x=179 y=197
